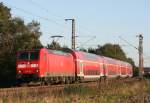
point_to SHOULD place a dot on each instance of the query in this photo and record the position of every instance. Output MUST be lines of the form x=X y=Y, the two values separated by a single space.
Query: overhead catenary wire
x=132 y=46
x=60 y=17
x=36 y=4
x=36 y=15
x=146 y=57
x=84 y=43
x=45 y=9
x=128 y=42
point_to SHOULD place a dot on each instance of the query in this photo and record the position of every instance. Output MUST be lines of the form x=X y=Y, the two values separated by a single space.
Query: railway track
x=103 y=84
x=39 y=89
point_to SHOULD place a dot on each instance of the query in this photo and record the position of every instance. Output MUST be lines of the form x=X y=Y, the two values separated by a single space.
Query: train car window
x=101 y=66
x=104 y=66
x=23 y=56
x=34 y=55
x=81 y=67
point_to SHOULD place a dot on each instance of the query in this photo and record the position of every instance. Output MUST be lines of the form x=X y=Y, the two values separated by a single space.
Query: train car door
x=104 y=70
x=81 y=68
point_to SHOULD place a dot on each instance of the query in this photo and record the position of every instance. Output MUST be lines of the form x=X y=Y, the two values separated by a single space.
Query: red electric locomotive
x=45 y=64
x=57 y=66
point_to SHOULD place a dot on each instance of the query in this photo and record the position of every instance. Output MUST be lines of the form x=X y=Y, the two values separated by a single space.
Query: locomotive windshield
x=34 y=55
x=23 y=55
x=28 y=55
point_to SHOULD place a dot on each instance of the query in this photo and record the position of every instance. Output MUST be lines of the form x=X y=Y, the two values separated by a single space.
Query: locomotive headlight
x=34 y=65
x=37 y=71
x=19 y=71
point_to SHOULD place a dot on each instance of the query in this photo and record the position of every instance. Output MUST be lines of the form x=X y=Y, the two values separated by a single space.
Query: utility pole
x=73 y=41
x=140 y=50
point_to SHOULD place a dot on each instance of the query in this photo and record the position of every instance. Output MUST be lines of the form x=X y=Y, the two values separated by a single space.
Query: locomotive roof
x=58 y=52
x=87 y=56
x=116 y=61
x=28 y=50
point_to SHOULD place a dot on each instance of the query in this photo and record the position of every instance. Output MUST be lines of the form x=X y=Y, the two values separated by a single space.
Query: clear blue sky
x=105 y=19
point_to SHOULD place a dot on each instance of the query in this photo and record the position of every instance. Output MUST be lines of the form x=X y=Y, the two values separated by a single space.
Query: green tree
x=111 y=50
x=25 y=36
x=54 y=46
x=34 y=34
x=6 y=40
x=15 y=35
x=83 y=49
x=92 y=50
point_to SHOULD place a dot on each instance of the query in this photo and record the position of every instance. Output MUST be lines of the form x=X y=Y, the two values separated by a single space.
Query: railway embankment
x=131 y=90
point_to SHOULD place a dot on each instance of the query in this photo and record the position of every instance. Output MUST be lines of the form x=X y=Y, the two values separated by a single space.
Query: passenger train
x=52 y=66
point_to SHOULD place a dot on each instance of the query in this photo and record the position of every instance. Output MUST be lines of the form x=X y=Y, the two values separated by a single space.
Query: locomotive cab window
x=28 y=55
x=23 y=56
x=34 y=55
